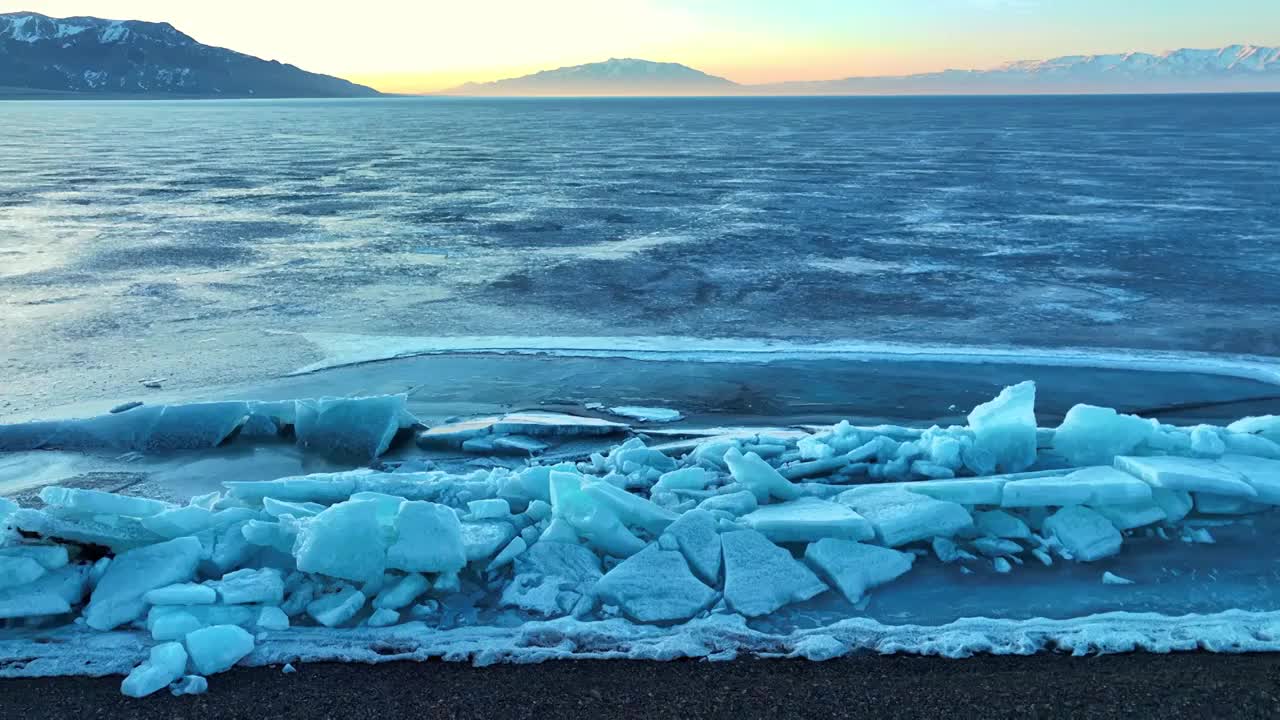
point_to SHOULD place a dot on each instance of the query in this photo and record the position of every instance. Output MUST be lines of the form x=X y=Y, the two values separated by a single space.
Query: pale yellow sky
x=402 y=46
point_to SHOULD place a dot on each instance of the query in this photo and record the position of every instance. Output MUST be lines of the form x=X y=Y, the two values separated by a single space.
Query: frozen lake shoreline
x=533 y=535
x=755 y=389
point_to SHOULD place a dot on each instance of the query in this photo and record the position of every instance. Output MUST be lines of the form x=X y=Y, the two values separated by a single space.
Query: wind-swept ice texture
x=691 y=536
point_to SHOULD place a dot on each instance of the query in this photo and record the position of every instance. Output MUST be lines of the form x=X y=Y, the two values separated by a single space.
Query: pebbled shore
x=1193 y=685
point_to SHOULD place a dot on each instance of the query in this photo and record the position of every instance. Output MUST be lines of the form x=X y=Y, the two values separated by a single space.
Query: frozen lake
x=192 y=241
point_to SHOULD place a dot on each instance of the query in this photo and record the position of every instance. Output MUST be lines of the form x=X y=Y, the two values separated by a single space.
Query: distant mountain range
x=85 y=56
x=1235 y=68
x=42 y=56
x=616 y=76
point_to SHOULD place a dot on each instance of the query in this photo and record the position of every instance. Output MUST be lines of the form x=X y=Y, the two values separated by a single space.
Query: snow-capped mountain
x=616 y=76
x=129 y=57
x=1231 y=68
x=1227 y=69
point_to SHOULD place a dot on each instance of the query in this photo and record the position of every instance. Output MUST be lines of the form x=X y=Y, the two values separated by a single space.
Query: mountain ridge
x=628 y=75
x=1229 y=68
x=87 y=56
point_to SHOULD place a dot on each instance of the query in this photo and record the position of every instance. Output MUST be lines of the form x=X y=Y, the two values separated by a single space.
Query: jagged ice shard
x=811 y=542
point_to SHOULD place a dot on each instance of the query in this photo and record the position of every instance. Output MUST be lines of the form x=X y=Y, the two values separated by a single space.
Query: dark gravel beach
x=1129 y=686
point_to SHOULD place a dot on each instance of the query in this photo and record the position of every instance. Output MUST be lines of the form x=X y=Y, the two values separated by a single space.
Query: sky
x=429 y=45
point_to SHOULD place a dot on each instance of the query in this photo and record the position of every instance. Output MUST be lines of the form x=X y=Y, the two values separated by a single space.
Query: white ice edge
x=341 y=349
x=74 y=651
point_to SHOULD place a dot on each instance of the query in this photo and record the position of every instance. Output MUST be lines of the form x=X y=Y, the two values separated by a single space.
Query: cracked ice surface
x=806 y=543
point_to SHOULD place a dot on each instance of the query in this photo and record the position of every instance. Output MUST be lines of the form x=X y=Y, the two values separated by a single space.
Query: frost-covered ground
x=133 y=233
x=535 y=535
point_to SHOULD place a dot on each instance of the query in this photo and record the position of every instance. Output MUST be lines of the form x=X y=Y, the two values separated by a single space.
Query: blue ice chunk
x=655 y=585
x=900 y=517
x=182 y=594
x=336 y=608
x=345 y=541
x=118 y=598
x=1091 y=435
x=165 y=665
x=351 y=428
x=215 y=649
x=853 y=567
x=1005 y=427
x=262 y=586
x=429 y=539
x=761 y=577
x=96 y=502
x=809 y=519
x=1087 y=535
x=1187 y=475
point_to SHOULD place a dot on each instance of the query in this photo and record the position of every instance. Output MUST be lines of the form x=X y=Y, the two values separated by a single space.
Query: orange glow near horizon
x=423 y=46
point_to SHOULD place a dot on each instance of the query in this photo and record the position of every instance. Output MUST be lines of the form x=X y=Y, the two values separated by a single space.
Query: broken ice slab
x=351 y=428
x=528 y=425
x=549 y=424
x=646 y=414
x=118 y=598
x=966 y=491
x=1099 y=485
x=1266 y=426
x=1087 y=535
x=900 y=517
x=121 y=534
x=167 y=663
x=854 y=567
x=761 y=577
x=808 y=520
x=655 y=585
x=96 y=502
x=1091 y=435
x=453 y=435
x=149 y=427
x=53 y=593
x=520 y=444
x=1262 y=474
x=1005 y=427
x=345 y=541
x=1188 y=475
x=339 y=427
x=215 y=649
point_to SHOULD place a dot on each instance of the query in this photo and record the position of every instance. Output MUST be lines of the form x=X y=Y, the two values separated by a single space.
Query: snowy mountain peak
x=42 y=54
x=28 y=27
x=1249 y=58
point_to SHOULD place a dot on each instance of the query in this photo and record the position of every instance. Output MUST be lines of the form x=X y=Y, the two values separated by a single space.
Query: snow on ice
x=637 y=550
